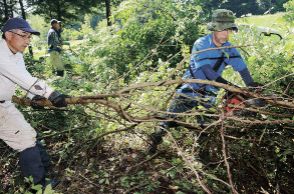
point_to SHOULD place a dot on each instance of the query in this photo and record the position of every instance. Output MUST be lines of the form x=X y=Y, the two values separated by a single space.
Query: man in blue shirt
x=206 y=65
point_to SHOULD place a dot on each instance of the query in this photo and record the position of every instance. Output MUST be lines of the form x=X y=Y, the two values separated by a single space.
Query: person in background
x=15 y=131
x=55 y=47
x=207 y=65
x=60 y=29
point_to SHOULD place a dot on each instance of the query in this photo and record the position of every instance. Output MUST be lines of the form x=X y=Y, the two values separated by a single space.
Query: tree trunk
x=59 y=11
x=108 y=12
x=23 y=13
x=11 y=6
x=6 y=10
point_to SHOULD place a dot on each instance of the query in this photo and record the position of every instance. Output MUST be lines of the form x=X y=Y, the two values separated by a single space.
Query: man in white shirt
x=15 y=131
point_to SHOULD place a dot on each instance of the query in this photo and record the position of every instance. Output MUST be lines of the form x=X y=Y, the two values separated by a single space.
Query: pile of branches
x=240 y=153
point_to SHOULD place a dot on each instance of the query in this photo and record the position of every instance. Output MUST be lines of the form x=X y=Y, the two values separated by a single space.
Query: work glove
x=256 y=102
x=255 y=87
x=58 y=99
x=35 y=100
x=255 y=84
x=222 y=80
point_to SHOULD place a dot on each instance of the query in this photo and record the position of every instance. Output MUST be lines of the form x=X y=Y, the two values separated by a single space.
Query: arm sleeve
x=209 y=73
x=199 y=59
x=212 y=75
x=17 y=73
x=245 y=74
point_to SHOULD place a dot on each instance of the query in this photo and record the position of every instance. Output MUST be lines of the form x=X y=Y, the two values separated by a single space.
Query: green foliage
x=140 y=177
x=31 y=188
x=7 y=9
x=145 y=33
x=271 y=62
x=271 y=56
x=243 y=7
x=274 y=21
x=289 y=6
x=62 y=10
x=42 y=25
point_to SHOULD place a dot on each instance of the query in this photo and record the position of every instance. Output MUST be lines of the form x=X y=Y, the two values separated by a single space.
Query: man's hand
x=58 y=99
x=35 y=100
x=255 y=87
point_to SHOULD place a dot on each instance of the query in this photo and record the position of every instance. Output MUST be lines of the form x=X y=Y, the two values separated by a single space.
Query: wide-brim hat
x=220 y=26
x=222 y=19
x=18 y=23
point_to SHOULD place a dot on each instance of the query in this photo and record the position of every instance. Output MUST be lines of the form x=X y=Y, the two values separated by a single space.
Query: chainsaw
x=239 y=105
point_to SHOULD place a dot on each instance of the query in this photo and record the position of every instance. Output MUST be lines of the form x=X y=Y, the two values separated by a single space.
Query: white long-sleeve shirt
x=13 y=72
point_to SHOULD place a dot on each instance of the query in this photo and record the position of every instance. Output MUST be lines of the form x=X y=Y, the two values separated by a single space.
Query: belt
x=2 y=101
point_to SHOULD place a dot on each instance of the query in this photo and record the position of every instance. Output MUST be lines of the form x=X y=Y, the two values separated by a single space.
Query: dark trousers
x=34 y=162
x=179 y=104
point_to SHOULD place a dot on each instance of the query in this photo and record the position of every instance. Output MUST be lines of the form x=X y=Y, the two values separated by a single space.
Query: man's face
x=18 y=40
x=221 y=37
x=56 y=26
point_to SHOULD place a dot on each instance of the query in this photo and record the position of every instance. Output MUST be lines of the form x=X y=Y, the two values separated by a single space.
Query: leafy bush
x=144 y=33
x=289 y=6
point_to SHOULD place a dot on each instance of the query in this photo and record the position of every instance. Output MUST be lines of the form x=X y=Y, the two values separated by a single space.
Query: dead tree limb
x=277 y=101
x=224 y=151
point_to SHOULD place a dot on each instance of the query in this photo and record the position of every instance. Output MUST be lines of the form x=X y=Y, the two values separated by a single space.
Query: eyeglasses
x=28 y=36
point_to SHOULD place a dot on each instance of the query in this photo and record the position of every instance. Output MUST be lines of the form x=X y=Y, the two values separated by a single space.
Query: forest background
x=135 y=51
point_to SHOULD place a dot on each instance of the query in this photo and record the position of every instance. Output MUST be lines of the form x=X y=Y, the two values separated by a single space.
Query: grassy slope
x=274 y=21
x=271 y=20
